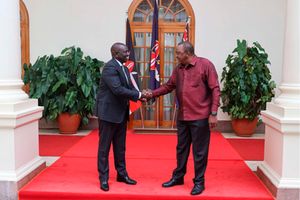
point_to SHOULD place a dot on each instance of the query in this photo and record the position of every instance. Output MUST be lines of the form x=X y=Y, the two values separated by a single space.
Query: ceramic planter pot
x=68 y=124
x=244 y=127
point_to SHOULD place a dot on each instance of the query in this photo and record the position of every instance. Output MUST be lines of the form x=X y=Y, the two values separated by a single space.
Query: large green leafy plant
x=247 y=84
x=66 y=83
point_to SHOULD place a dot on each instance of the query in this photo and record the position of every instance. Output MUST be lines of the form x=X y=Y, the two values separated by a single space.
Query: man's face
x=122 y=54
x=181 y=55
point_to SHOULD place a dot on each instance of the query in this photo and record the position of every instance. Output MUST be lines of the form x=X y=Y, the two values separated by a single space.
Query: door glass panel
x=138 y=39
x=138 y=53
x=169 y=54
x=148 y=39
x=172 y=15
x=166 y=3
x=168 y=69
x=144 y=6
x=138 y=16
x=147 y=54
x=140 y=68
x=176 y=6
x=179 y=37
x=181 y=16
x=169 y=39
x=149 y=18
x=169 y=17
x=169 y=114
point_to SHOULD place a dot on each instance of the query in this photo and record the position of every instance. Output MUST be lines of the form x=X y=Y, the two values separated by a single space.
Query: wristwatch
x=213 y=113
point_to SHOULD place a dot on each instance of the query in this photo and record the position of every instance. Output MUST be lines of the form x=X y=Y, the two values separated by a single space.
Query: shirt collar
x=119 y=62
x=191 y=64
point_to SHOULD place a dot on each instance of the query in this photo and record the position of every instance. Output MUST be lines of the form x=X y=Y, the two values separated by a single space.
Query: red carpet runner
x=55 y=145
x=150 y=160
x=249 y=149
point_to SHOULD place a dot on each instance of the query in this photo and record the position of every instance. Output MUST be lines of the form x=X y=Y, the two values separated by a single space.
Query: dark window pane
x=144 y=5
x=166 y=3
x=149 y=113
x=169 y=17
x=148 y=39
x=176 y=6
x=149 y=18
x=139 y=54
x=140 y=68
x=179 y=37
x=138 y=16
x=147 y=56
x=147 y=64
x=181 y=17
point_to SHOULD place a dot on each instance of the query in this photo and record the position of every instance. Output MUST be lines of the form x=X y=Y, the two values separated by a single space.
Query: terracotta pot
x=244 y=127
x=68 y=124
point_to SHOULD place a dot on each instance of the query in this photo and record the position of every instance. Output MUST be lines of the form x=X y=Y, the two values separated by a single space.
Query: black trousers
x=197 y=133
x=111 y=133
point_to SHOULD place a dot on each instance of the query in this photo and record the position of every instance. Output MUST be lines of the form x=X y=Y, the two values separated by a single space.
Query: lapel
x=119 y=68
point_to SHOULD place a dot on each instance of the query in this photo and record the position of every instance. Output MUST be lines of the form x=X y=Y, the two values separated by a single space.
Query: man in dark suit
x=112 y=111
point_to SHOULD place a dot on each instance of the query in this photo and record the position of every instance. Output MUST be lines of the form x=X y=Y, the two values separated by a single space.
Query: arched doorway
x=24 y=29
x=172 y=17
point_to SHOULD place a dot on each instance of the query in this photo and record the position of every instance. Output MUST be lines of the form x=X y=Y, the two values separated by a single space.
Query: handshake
x=146 y=95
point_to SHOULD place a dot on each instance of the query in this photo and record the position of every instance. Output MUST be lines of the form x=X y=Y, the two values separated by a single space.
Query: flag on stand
x=154 y=59
x=186 y=33
x=133 y=106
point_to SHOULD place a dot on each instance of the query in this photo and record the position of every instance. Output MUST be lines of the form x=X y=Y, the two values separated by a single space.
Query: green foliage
x=247 y=85
x=66 y=83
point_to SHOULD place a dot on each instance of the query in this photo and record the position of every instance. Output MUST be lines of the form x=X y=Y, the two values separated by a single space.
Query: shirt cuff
x=140 y=94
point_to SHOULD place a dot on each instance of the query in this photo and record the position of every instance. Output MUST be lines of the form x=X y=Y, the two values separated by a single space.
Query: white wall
x=94 y=25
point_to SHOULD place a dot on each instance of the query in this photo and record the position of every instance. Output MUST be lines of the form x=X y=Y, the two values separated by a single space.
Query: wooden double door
x=161 y=113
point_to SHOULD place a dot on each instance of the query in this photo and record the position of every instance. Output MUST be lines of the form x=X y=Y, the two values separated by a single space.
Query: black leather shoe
x=126 y=179
x=104 y=185
x=197 y=189
x=173 y=182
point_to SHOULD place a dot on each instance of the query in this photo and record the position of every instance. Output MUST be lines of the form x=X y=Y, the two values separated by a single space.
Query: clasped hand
x=146 y=95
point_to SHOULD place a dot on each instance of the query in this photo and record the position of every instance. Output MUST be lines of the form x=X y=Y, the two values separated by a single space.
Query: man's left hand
x=212 y=120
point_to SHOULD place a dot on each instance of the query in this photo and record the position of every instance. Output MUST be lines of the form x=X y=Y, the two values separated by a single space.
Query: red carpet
x=150 y=160
x=249 y=149
x=56 y=145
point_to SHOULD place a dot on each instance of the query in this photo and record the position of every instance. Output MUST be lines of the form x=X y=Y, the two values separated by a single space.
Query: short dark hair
x=115 y=48
x=188 y=47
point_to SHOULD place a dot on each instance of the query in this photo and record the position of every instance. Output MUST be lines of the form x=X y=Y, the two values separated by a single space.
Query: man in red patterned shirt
x=198 y=93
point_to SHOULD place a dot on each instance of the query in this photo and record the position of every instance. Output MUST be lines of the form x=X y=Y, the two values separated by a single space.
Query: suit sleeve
x=112 y=80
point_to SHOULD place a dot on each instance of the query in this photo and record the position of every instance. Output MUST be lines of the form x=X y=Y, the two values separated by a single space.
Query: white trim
x=276 y=180
x=21 y=172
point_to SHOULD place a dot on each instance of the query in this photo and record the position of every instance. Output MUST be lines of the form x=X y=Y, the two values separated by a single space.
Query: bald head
x=120 y=52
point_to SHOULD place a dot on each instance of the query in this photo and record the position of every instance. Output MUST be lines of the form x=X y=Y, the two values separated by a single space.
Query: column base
x=280 y=170
x=19 y=146
x=281 y=193
x=9 y=189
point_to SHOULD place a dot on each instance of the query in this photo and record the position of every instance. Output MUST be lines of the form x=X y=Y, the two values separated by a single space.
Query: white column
x=19 y=115
x=282 y=117
x=10 y=52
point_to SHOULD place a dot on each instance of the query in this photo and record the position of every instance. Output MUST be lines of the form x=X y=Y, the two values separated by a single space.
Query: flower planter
x=244 y=127
x=68 y=124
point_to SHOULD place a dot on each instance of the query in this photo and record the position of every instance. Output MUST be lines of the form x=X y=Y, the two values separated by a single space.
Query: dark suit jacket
x=114 y=93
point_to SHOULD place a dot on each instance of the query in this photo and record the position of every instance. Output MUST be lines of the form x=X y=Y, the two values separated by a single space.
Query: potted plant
x=66 y=86
x=247 y=86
